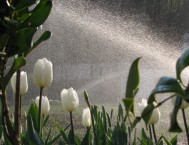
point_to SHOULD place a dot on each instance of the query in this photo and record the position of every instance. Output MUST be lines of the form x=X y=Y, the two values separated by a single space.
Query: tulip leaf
x=45 y=120
x=86 y=139
x=120 y=113
x=33 y=113
x=18 y=63
x=39 y=14
x=165 y=85
x=128 y=102
x=45 y=36
x=145 y=139
x=182 y=63
x=104 y=119
x=3 y=41
x=109 y=120
x=62 y=132
x=174 y=126
x=71 y=136
x=20 y=4
x=174 y=140
x=32 y=134
x=48 y=136
x=166 y=140
x=54 y=140
x=119 y=135
x=132 y=83
x=21 y=42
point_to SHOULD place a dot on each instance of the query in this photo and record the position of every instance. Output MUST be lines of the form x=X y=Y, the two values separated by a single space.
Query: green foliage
x=182 y=63
x=132 y=88
x=17 y=64
x=18 y=25
x=164 y=85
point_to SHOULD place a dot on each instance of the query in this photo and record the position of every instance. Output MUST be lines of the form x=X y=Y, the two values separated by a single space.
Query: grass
x=58 y=115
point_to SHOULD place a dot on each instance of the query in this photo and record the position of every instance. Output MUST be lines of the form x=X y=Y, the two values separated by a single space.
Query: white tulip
x=43 y=73
x=142 y=105
x=23 y=82
x=69 y=99
x=86 y=117
x=183 y=105
x=45 y=106
x=155 y=116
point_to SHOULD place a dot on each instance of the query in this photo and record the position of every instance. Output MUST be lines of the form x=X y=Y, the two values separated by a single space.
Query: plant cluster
x=19 y=21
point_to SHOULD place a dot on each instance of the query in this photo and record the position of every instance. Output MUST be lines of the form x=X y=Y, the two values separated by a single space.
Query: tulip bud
x=45 y=106
x=86 y=117
x=23 y=82
x=183 y=105
x=155 y=116
x=69 y=99
x=142 y=105
x=43 y=73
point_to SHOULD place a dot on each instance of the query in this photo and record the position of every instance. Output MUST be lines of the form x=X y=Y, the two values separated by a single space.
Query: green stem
x=72 y=129
x=150 y=130
x=155 y=138
x=90 y=107
x=185 y=124
x=39 y=115
x=8 y=124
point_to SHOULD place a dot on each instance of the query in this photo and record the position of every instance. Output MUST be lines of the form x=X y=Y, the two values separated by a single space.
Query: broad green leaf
x=128 y=102
x=3 y=41
x=21 y=42
x=33 y=136
x=132 y=84
x=174 y=126
x=165 y=85
x=33 y=113
x=86 y=139
x=18 y=63
x=20 y=4
x=71 y=136
x=182 y=63
x=77 y=140
x=22 y=15
x=39 y=14
x=45 y=36
x=147 y=112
